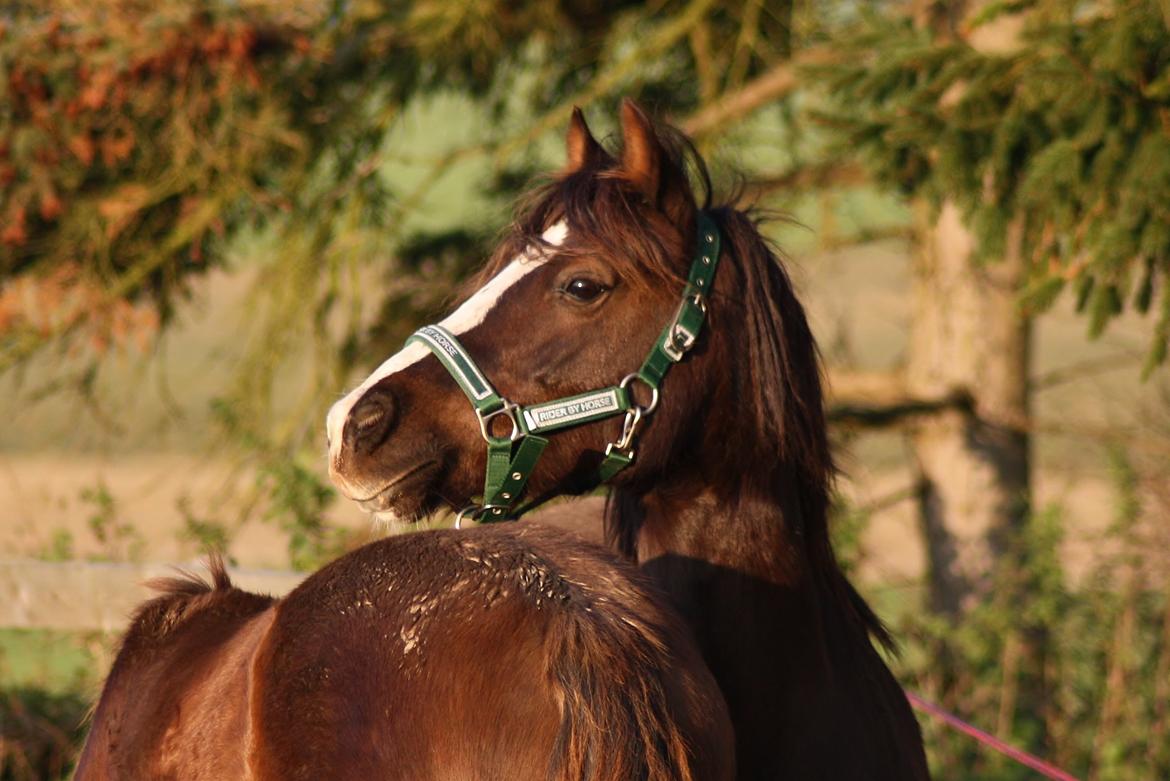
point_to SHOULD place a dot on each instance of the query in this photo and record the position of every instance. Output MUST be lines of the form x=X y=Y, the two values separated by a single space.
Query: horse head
x=604 y=263
x=572 y=301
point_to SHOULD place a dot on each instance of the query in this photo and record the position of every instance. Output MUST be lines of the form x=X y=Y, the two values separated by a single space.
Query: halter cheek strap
x=512 y=456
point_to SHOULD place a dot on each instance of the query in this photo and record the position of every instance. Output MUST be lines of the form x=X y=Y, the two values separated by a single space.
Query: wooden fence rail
x=86 y=596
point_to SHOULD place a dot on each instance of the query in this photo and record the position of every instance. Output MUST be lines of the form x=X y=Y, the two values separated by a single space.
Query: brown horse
x=726 y=498
x=503 y=653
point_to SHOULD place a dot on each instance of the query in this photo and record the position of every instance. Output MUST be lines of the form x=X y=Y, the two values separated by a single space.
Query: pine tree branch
x=817 y=176
x=848 y=386
x=745 y=44
x=704 y=67
x=654 y=44
x=830 y=243
x=769 y=86
x=773 y=85
x=875 y=400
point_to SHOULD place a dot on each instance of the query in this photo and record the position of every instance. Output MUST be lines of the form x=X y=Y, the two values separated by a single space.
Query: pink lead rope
x=1023 y=757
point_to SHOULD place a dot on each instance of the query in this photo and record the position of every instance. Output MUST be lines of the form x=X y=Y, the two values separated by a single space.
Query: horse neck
x=791 y=656
x=737 y=563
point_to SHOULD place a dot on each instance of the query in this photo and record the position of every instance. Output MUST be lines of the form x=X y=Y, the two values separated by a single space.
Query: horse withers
x=614 y=272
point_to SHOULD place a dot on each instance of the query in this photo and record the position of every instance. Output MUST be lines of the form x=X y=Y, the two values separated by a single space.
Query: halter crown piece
x=511 y=458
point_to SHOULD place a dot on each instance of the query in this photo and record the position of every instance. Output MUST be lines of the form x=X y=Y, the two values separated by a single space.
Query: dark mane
x=754 y=310
x=187 y=584
x=183 y=596
x=789 y=428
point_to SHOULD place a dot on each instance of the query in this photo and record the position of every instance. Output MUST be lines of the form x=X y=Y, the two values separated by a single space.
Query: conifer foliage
x=1068 y=133
x=136 y=138
x=129 y=138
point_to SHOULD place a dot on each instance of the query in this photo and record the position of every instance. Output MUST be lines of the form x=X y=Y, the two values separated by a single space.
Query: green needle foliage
x=1066 y=135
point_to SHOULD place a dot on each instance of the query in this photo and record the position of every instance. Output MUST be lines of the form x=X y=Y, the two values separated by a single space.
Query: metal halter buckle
x=508 y=409
x=683 y=339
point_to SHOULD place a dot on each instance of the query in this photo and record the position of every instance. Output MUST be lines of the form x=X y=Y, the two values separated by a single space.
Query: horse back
x=504 y=652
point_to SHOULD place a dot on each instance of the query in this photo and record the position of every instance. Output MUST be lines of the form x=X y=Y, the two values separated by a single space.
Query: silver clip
x=629 y=428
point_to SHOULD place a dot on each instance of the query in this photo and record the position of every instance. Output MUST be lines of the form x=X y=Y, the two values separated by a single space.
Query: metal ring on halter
x=653 y=394
x=508 y=409
x=475 y=511
x=471 y=508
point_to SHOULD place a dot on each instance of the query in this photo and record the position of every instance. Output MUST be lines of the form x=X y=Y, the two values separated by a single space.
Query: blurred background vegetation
x=215 y=216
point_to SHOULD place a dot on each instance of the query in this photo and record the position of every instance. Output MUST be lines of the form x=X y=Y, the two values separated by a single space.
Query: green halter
x=511 y=458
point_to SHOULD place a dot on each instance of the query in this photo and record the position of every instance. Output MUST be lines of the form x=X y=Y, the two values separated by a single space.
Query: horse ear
x=581 y=146
x=641 y=153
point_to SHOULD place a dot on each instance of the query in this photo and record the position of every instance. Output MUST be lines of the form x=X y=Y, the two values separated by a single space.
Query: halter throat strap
x=512 y=454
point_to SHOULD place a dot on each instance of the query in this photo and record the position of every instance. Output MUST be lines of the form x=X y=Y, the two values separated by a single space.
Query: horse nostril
x=370 y=417
x=370 y=420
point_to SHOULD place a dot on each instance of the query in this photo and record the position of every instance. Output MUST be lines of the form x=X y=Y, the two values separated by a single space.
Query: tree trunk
x=970 y=338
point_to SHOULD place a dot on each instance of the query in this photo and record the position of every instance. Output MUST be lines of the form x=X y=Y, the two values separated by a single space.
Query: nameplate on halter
x=573 y=410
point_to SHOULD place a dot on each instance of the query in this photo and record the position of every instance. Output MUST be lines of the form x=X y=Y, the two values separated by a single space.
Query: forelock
x=608 y=217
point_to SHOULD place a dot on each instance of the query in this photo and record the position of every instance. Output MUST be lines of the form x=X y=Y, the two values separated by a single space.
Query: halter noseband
x=512 y=458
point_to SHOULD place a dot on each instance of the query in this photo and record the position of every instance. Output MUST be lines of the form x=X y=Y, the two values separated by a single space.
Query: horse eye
x=583 y=289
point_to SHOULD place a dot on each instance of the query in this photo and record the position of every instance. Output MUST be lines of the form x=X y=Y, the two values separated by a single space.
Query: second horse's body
x=509 y=653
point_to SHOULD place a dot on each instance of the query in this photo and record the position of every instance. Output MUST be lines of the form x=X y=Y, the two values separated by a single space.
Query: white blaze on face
x=468 y=316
